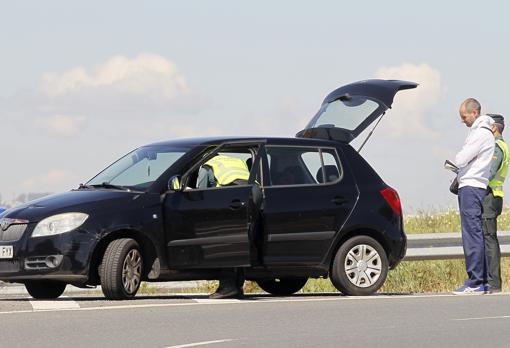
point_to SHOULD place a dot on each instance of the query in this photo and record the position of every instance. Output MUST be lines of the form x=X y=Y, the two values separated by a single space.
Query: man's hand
x=450 y=166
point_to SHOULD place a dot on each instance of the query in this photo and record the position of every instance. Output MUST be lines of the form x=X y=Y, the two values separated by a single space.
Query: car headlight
x=59 y=223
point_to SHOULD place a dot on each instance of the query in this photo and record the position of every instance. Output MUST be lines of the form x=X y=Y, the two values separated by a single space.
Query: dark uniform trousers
x=492 y=207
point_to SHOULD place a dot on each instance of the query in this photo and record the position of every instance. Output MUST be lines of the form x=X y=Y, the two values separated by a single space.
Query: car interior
x=245 y=154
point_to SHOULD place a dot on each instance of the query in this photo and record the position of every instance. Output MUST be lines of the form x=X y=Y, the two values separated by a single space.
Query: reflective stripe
x=228 y=169
x=496 y=184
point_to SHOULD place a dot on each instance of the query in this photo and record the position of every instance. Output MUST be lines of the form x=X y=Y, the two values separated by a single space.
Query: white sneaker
x=467 y=290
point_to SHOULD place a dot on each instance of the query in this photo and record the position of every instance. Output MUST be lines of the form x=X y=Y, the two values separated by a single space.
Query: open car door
x=211 y=226
x=349 y=110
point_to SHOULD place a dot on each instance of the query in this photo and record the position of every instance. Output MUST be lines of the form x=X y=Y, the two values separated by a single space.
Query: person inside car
x=223 y=170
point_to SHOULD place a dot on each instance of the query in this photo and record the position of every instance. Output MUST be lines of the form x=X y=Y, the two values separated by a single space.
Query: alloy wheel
x=132 y=271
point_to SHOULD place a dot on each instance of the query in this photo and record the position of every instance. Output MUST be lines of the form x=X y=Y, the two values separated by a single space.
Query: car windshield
x=347 y=114
x=139 y=168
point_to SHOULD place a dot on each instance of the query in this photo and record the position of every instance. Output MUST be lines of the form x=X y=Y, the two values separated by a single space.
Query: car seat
x=331 y=174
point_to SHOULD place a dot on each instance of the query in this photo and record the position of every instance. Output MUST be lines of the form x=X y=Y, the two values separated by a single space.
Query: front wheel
x=45 y=289
x=360 y=267
x=282 y=286
x=121 y=269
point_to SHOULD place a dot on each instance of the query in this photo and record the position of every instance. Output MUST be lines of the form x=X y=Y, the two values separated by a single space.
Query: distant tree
x=22 y=198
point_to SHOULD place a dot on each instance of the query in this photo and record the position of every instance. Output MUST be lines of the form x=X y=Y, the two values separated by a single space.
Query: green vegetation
x=438 y=222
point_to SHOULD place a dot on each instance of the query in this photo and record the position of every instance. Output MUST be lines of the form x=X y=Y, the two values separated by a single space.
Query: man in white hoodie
x=473 y=161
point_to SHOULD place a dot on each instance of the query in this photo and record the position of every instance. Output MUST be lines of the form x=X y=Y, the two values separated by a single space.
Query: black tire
x=121 y=254
x=282 y=286
x=357 y=278
x=45 y=289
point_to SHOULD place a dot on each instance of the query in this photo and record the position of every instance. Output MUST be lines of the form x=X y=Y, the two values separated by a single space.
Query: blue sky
x=82 y=84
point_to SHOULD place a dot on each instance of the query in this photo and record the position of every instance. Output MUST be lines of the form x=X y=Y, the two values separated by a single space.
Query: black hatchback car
x=312 y=207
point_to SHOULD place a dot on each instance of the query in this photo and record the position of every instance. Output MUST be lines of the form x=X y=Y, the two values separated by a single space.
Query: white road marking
x=483 y=318
x=41 y=305
x=246 y=301
x=215 y=301
x=202 y=343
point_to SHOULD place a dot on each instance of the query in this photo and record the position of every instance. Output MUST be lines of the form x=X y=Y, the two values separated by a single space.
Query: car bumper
x=63 y=257
x=398 y=241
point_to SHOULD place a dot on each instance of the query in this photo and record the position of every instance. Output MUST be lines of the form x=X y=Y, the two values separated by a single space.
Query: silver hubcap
x=132 y=271
x=363 y=265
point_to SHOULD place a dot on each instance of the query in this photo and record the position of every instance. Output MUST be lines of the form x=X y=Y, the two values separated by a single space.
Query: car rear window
x=302 y=165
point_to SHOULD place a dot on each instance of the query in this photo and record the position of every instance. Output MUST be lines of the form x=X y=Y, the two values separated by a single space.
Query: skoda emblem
x=4 y=224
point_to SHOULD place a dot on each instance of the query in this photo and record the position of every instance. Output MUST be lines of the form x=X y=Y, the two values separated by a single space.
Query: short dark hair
x=472 y=104
x=499 y=126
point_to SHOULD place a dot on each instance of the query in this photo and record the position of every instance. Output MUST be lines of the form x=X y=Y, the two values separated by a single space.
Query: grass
x=437 y=222
x=409 y=276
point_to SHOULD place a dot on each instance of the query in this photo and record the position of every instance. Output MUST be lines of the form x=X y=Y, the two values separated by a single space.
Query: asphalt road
x=326 y=320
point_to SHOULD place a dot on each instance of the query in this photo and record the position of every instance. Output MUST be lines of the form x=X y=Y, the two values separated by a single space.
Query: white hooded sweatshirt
x=474 y=159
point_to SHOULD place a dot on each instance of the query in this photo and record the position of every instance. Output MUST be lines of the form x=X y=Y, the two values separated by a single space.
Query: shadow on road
x=160 y=297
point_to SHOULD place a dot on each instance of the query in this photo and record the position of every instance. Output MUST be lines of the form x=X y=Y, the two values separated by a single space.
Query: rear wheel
x=45 y=289
x=121 y=269
x=360 y=266
x=282 y=286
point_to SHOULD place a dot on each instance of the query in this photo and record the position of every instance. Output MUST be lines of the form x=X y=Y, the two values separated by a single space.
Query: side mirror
x=174 y=184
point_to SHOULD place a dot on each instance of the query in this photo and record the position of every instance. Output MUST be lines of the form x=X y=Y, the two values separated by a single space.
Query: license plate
x=6 y=252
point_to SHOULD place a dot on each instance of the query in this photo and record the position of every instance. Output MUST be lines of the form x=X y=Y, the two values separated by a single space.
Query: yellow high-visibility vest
x=496 y=184
x=228 y=169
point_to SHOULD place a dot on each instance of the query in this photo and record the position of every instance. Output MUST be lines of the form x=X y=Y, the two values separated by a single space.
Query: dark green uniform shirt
x=496 y=159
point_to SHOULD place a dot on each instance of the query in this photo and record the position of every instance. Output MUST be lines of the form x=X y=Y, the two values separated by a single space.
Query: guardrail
x=443 y=246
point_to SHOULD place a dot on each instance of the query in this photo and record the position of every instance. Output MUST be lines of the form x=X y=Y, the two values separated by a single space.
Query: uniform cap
x=497 y=118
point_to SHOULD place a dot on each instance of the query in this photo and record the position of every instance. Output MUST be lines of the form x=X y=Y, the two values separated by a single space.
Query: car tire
x=360 y=267
x=282 y=286
x=121 y=269
x=45 y=289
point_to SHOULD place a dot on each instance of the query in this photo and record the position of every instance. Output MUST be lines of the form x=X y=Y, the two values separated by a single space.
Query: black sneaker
x=227 y=293
x=493 y=290
x=228 y=288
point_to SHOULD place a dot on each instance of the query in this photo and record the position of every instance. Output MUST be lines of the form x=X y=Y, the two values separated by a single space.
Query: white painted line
x=214 y=301
x=202 y=343
x=41 y=305
x=483 y=318
x=247 y=301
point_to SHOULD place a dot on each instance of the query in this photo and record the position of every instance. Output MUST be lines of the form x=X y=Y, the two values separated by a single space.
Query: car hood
x=350 y=109
x=85 y=201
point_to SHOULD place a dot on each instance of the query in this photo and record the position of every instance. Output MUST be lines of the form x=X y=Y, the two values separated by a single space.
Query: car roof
x=207 y=141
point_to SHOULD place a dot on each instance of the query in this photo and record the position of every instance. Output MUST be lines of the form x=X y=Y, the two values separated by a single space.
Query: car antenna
x=371 y=132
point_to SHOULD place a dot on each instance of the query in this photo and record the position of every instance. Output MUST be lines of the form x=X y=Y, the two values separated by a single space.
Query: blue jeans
x=470 y=206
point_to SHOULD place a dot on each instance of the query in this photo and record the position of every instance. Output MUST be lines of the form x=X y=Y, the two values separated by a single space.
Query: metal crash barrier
x=443 y=246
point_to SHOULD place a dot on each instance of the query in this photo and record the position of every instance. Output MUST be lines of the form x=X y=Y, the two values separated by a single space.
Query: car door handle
x=338 y=200
x=236 y=204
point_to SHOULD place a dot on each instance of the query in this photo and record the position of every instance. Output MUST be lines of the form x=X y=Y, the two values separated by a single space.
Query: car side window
x=293 y=165
x=332 y=168
x=302 y=165
x=229 y=167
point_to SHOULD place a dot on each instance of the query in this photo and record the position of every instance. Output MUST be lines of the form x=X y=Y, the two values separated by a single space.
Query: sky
x=82 y=84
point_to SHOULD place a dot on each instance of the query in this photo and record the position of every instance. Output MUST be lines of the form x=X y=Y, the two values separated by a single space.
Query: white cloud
x=61 y=124
x=121 y=97
x=411 y=107
x=146 y=74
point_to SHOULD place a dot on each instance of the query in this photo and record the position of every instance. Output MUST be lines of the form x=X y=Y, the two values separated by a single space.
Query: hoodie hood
x=481 y=121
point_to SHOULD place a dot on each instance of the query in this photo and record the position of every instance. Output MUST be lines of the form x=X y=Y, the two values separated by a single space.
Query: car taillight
x=391 y=196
